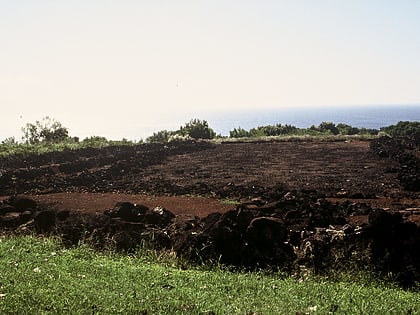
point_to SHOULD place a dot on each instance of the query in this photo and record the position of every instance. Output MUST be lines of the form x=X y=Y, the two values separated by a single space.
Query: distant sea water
x=373 y=117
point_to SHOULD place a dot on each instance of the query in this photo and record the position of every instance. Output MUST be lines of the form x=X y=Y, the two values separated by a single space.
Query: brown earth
x=339 y=170
x=98 y=202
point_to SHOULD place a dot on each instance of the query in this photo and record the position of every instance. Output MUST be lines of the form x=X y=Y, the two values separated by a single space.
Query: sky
x=105 y=67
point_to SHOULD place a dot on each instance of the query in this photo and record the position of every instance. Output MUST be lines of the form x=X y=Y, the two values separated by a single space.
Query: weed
x=230 y=202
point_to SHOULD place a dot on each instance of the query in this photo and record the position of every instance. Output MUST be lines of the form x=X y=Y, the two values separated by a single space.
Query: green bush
x=348 y=130
x=368 y=131
x=239 y=133
x=327 y=126
x=404 y=129
x=95 y=141
x=264 y=131
x=197 y=129
x=194 y=129
x=162 y=136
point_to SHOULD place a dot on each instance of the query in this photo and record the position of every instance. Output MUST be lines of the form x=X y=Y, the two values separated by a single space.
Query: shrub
x=197 y=129
x=9 y=141
x=348 y=130
x=368 y=131
x=95 y=141
x=265 y=131
x=326 y=126
x=257 y=132
x=162 y=136
x=404 y=129
x=238 y=133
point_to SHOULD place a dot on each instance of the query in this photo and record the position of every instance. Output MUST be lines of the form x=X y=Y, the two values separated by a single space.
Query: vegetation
x=322 y=130
x=162 y=136
x=24 y=149
x=49 y=135
x=46 y=130
x=404 y=129
x=261 y=131
x=39 y=276
x=195 y=129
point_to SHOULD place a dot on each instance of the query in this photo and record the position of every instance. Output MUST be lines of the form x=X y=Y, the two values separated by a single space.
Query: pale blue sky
x=131 y=61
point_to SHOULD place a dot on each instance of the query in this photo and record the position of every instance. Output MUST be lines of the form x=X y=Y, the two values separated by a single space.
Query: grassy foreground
x=39 y=276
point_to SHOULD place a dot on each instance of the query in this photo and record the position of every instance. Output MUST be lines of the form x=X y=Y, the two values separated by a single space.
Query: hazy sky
x=90 y=61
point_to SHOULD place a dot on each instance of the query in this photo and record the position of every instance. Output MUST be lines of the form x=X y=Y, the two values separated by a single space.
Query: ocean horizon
x=138 y=127
x=222 y=122
x=372 y=117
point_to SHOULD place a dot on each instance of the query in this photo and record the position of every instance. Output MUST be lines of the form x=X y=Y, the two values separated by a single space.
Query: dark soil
x=318 y=204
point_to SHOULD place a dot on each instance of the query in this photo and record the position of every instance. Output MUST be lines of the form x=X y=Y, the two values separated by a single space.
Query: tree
x=197 y=129
x=46 y=130
x=328 y=126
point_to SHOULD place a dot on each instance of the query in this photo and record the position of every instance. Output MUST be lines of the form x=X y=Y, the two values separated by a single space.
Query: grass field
x=39 y=276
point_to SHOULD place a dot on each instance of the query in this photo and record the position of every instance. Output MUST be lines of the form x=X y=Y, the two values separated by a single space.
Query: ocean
x=373 y=117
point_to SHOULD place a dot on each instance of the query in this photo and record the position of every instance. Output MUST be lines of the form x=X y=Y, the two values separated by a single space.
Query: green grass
x=231 y=202
x=298 y=138
x=39 y=276
x=10 y=150
x=24 y=149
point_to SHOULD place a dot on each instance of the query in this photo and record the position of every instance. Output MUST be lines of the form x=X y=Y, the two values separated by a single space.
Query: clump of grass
x=230 y=202
x=39 y=276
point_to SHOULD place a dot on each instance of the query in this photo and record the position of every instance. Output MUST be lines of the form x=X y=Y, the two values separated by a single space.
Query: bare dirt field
x=197 y=177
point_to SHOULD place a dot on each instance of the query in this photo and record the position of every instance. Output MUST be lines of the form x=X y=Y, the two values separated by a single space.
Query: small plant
x=9 y=141
x=231 y=202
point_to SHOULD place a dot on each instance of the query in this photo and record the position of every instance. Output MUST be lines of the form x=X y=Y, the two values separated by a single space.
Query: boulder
x=128 y=212
x=266 y=243
x=158 y=216
x=45 y=221
x=395 y=245
x=22 y=203
x=266 y=231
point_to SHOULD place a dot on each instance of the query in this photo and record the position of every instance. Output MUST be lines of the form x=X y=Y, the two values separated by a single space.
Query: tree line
x=49 y=130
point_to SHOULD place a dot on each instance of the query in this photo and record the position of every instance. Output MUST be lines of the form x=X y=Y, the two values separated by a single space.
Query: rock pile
x=296 y=230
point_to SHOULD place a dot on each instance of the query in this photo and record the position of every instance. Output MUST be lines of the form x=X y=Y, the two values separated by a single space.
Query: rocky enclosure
x=317 y=205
